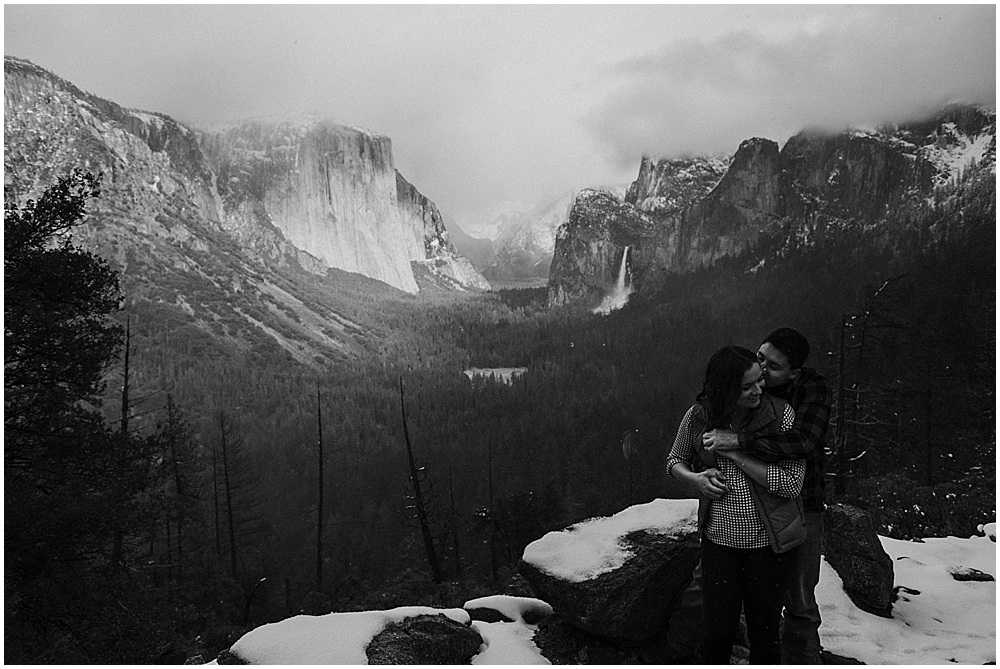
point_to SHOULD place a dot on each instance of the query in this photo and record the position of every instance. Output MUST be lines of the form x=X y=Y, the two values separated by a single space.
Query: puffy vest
x=783 y=517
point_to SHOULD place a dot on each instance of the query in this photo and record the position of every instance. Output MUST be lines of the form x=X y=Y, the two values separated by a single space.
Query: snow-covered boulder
x=426 y=639
x=616 y=576
x=345 y=638
x=853 y=549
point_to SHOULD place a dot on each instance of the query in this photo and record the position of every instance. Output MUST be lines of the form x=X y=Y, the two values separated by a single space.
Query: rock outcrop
x=405 y=635
x=766 y=201
x=430 y=245
x=631 y=599
x=853 y=549
x=426 y=640
x=589 y=247
x=670 y=186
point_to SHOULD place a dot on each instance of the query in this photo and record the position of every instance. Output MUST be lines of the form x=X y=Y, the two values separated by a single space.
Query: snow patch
x=515 y=608
x=505 y=374
x=936 y=620
x=335 y=638
x=955 y=152
x=507 y=644
x=586 y=550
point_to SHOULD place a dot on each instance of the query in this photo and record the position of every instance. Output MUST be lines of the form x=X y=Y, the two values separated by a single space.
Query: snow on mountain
x=502 y=218
x=526 y=245
x=958 y=151
x=769 y=200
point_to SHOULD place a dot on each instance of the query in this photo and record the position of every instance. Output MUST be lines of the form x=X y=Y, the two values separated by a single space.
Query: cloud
x=494 y=103
x=880 y=64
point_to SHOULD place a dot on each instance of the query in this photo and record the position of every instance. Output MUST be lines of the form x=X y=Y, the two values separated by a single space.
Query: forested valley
x=206 y=489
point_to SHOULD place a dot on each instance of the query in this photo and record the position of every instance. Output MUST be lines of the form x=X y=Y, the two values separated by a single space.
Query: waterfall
x=619 y=294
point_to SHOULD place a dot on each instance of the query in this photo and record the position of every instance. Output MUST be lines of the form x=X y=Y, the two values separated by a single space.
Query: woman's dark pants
x=749 y=579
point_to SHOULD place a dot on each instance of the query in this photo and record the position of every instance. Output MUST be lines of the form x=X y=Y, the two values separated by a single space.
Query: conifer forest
x=167 y=488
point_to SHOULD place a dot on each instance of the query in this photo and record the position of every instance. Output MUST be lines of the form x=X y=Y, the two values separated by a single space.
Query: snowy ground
x=937 y=620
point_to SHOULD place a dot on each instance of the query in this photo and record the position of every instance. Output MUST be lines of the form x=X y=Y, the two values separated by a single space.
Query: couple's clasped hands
x=712 y=483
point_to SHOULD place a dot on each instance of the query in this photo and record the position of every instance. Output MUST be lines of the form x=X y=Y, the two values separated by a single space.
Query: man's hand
x=711 y=483
x=720 y=440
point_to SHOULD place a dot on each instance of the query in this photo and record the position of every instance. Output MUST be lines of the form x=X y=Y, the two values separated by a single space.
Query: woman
x=749 y=514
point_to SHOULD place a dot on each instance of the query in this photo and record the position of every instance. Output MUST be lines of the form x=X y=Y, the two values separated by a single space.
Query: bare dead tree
x=418 y=496
x=223 y=443
x=319 y=504
x=856 y=331
x=454 y=525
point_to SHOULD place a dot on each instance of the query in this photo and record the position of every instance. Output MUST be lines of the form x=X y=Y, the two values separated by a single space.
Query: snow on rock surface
x=335 y=638
x=507 y=643
x=515 y=608
x=588 y=549
x=936 y=620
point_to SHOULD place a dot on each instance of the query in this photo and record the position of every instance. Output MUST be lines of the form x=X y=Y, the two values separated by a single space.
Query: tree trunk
x=229 y=495
x=319 y=506
x=418 y=497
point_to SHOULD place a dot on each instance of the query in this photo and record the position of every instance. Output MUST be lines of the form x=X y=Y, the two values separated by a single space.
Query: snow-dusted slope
x=323 y=193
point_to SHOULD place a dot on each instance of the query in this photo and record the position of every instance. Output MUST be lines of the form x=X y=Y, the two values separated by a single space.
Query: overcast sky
x=489 y=105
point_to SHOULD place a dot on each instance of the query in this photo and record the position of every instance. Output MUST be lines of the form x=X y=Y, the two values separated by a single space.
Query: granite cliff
x=432 y=253
x=247 y=229
x=681 y=215
x=321 y=194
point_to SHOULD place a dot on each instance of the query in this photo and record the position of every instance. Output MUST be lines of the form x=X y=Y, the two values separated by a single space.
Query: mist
x=489 y=105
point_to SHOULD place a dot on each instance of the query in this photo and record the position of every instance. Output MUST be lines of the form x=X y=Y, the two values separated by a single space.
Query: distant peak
x=301 y=122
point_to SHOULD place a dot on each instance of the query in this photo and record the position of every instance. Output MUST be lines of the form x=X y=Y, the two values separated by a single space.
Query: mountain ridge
x=818 y=184
x=213 y=233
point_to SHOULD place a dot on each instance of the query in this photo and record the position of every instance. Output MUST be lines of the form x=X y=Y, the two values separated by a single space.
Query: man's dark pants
x=800 y=636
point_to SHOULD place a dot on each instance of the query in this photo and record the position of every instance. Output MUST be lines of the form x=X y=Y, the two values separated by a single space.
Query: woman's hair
x=724 y=382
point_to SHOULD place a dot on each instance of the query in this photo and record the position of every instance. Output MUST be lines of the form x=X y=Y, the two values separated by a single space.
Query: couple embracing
x=752 y=448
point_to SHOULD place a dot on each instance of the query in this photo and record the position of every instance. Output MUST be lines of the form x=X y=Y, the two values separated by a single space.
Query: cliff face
x=430 y=247
x=590 y=244
x=329 y=189
x=701 y=211
x=311 y=193
x=668 y=186
x=728 y=219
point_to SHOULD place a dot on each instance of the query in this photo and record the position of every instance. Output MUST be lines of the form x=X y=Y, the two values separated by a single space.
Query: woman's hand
x=711 y=483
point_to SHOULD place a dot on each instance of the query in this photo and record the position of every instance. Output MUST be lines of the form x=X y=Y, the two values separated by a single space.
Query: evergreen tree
x=59 y=340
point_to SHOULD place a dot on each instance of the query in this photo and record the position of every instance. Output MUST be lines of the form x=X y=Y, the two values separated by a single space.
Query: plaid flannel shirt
x=807 y=439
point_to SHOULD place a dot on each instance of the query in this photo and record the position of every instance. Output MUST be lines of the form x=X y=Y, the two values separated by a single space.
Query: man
x=781 y=357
